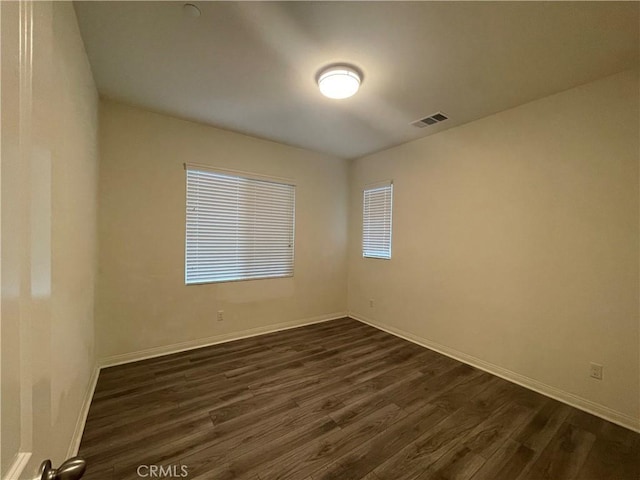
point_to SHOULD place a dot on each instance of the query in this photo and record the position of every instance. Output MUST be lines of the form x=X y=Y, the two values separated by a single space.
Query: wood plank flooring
x=338 y=401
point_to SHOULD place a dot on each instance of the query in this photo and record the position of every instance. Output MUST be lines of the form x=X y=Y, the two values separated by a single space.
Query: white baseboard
x=208 y=341
x=576 y=401
x=84 y=411
x=17 y=466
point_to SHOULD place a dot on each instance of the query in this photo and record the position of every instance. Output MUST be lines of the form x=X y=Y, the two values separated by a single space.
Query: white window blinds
x=376 y=224
x=238 y=228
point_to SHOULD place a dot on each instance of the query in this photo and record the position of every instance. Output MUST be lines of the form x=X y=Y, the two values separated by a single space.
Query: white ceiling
x=250 y=67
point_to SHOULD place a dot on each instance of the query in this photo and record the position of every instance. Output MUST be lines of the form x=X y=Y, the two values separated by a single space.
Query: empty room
x=319 y=240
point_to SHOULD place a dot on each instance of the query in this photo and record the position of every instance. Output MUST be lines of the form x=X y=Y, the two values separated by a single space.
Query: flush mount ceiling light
x=339 y=81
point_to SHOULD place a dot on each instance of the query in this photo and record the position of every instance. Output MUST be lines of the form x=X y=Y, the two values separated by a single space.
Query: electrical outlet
x=595 y=371
x=220 y=315
x=371 y=303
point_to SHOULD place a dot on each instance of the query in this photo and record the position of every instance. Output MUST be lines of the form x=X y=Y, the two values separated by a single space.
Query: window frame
x=242 y=176
x=386 y=185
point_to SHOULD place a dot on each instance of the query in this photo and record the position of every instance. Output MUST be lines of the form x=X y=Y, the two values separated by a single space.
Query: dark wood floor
x=339 y=400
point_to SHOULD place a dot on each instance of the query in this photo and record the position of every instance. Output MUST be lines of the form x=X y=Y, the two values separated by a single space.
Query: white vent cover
x=430 y=120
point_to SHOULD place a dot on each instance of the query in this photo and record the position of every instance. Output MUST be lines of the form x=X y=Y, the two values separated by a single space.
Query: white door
x=25 y=241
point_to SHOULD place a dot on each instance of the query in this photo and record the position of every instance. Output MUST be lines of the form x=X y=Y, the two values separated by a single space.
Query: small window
x=376 y=220
x=238 y=227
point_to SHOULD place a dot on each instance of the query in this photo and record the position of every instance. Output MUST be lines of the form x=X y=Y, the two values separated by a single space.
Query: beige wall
x=515 y=243
x=143 y=302
x=74 y=196
x=49 y=233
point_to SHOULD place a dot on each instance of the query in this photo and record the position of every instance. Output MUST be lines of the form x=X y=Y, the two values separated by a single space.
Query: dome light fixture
x=339 y=81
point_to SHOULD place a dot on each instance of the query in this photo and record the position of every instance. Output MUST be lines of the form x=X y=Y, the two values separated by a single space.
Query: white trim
x=571 y=399
x=74 y=446
x=205 y=342
x=19 y=462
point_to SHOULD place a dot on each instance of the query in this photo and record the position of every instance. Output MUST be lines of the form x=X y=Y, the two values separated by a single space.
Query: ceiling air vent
x=430 y=120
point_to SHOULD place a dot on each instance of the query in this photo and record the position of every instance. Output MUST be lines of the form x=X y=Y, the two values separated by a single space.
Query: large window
x=376 y=220
x=238 y=227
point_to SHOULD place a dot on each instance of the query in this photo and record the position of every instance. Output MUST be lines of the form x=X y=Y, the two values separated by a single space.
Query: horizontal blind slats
x=237 y=228
x=377 y=221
